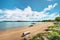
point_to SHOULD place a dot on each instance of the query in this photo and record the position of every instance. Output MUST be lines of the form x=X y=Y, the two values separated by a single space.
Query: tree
x=55 y=38
x=57 y=19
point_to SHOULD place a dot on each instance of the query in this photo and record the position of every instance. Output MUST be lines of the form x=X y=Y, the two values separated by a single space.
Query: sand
x=15 y=34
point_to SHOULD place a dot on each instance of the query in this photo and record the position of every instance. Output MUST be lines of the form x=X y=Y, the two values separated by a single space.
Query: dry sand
x=15 y=34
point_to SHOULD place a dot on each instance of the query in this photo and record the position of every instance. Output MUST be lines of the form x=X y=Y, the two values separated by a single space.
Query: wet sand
x=15 y=34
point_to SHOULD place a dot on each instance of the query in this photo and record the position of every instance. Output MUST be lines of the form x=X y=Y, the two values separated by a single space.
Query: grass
x=54 y=35
x=38 y=35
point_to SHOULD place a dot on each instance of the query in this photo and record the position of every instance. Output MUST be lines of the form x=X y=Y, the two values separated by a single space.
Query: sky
x=28 y=10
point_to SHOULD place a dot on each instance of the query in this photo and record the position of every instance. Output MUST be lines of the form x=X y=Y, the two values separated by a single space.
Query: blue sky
x=28 y=9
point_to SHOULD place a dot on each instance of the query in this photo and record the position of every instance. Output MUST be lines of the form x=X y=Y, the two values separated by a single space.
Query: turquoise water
x=9 y=25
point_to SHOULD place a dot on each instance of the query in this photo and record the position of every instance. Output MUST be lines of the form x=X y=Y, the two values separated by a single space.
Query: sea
x=11 y=25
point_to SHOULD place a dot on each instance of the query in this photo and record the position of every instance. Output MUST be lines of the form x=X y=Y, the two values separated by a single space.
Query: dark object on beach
x=33 y=23
x=24 y=39
x=55 y=22
x=25 y=33
x=47 y=29
x=30 y=25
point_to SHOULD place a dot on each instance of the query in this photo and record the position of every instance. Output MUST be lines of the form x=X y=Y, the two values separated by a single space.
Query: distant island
x=19 y=21
x=30 y=21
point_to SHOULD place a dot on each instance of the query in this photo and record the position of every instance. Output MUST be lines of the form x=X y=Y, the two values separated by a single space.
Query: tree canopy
x=57 y=19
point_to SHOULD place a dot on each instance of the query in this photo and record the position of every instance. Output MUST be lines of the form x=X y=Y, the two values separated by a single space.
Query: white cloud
x=55 y=5
x=0 y=11
x=26 y=14
x=50 y=7
x=49 y=0
x=53 y=16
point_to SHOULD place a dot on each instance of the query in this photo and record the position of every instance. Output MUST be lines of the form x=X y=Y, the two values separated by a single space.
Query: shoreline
x=15 y=34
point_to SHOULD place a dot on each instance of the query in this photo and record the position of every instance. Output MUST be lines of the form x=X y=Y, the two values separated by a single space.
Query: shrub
x=55 y=38
x=57 y=19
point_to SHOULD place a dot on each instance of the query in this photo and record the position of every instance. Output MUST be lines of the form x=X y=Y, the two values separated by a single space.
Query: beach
x=15 y=34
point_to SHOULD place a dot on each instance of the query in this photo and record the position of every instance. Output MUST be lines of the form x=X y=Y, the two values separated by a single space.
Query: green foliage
x=57 y=19
x=52 y=35
x=53 y=27
x=55 y=38
x=38 y=35
x=34 y=38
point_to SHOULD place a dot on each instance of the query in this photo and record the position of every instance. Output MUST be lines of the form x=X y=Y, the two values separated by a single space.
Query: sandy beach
x=15 y=34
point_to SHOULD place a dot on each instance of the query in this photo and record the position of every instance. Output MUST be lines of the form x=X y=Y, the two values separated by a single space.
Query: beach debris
x=30 y=25
x=25 y=33
x=55 y=22
x=47 y=30
x=33 y=23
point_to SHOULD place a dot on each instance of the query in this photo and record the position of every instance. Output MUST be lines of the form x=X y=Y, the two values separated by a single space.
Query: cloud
x=27 y=14
x=49 y=0
x=53 y=15
x=50 y=7
x=55 y=5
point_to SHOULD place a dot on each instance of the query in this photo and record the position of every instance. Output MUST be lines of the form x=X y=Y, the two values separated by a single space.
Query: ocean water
x=10 y=25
